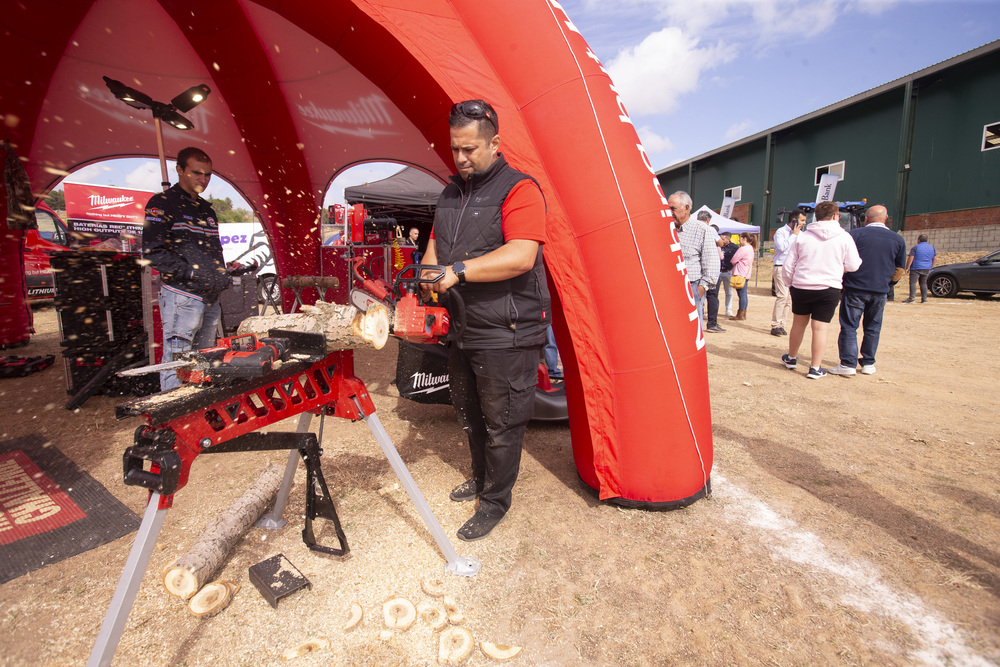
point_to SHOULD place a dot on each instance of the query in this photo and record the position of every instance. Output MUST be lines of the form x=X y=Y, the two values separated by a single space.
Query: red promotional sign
x=103 y=210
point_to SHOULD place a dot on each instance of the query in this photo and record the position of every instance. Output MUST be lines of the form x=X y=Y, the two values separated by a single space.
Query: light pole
x=169 y=112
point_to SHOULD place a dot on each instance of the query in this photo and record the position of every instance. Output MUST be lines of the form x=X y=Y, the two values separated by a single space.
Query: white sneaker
x=868 y=370
x=841 y=369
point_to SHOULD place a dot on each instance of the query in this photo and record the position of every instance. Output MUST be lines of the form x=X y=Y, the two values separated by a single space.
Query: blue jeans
x=187 y=324
x=493 y=392
x=857 y=307
x=552 y=355
x=698 y=300
x=744 y=300
x=724 y=277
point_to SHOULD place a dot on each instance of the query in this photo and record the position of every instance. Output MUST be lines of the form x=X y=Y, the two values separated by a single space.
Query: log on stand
x=195 y=568
x=344 y=326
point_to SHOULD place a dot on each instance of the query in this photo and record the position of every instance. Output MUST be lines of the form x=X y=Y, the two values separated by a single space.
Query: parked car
x=981 y=277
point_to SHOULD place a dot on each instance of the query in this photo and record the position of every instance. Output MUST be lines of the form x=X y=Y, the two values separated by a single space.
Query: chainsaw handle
x=456 y=315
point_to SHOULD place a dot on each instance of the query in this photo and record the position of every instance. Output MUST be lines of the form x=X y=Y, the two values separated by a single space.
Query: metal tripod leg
x=128 y=584
x=274 y=520
x=467 y=567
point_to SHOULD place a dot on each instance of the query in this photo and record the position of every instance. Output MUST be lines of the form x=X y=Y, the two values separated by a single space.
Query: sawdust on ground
x=854 y=521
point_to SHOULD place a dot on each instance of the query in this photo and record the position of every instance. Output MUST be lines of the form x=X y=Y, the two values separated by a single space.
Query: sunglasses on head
x=474 y=109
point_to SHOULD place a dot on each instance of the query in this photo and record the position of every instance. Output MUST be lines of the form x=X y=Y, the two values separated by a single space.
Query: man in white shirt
x=783 y=240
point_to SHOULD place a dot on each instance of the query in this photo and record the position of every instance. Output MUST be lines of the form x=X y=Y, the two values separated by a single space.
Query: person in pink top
x=814 y=272
x=742 y=266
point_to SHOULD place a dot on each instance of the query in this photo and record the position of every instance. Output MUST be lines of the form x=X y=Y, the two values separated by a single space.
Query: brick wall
x=984 y=238
x=970 y=217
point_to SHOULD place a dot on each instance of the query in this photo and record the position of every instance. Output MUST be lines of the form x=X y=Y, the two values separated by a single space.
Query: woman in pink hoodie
x=814 y=271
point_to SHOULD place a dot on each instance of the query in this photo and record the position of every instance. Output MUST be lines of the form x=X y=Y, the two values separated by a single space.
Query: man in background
x=698 y=249
x=882 y=251
x=783 y=240
x=918 y=265
x=712 y=294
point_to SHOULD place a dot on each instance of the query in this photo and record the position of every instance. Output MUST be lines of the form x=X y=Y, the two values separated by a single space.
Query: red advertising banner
x=105 y=211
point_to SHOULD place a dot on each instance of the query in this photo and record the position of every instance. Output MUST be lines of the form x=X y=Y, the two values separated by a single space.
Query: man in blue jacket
x=863 y=299
x=180 y=239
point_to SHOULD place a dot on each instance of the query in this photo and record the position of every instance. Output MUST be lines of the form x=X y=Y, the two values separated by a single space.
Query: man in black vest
x=489 y=227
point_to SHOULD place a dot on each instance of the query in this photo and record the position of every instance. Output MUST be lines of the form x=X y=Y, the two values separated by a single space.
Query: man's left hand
x=701 y=290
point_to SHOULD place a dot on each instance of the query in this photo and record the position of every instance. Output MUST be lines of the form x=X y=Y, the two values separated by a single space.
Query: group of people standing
x=815 y=271
x=713 y=260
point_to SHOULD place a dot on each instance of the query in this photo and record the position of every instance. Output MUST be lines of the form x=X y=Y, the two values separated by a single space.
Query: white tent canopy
x=727 y=225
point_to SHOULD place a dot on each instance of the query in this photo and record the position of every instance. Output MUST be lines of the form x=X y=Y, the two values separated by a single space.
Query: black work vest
x=468 y=223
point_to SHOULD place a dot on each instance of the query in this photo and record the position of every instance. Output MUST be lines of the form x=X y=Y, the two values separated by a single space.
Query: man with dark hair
x=918 y=266
x=180 y=239
x=882 y=251
x=783 y=240
x=712 y=294
x=489 y=227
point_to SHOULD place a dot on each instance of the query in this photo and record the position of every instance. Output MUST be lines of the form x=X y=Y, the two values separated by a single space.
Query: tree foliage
x=56 y=199
x=224 y=208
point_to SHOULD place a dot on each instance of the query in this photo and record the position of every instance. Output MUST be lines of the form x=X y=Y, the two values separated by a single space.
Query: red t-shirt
x=523 y=213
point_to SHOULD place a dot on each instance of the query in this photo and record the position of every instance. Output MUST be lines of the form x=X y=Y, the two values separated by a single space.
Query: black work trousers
x=493 y=392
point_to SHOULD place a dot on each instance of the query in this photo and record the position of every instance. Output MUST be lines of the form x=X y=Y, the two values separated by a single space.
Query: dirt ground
x=854 y=521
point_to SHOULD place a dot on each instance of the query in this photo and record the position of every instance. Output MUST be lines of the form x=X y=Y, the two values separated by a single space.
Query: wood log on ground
x=213 y=598
x=344 y=326
x=196 y=567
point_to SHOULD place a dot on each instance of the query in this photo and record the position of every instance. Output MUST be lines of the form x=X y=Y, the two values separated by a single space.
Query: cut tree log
x=344 y=326
x=213 y=598
x=196 y=567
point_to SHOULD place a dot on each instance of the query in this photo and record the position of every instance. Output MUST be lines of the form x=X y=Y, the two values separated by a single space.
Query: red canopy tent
x=303 y=90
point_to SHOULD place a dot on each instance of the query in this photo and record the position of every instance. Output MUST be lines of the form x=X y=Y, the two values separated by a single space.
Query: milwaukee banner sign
x=104 y=211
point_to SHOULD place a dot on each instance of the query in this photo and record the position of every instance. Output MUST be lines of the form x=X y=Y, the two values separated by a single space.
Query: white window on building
x=835 y=168
x=736 y=193
x=991 y=136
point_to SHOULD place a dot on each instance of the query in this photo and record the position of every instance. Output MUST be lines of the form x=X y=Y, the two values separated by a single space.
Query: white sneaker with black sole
x=815 y=373
x=842 y=369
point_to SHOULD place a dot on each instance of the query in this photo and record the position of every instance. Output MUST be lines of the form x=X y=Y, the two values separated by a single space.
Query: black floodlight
x=129 y=96
x=168 y=113
x=190 y=98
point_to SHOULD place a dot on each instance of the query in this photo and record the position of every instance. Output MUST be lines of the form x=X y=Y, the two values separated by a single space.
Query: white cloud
x=652 y=142
x=145 y=177
x=739 y=130
x=652 y=76
x=92 y=173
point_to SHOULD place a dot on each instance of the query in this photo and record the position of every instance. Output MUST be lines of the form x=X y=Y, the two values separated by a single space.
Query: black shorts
x=821 y=304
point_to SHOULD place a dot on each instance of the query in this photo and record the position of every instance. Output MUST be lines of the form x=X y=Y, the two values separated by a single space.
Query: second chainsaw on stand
x=409 y=319
x=239 y=358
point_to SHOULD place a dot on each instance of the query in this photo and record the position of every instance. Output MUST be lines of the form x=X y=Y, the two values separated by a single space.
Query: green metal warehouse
x=926 y=145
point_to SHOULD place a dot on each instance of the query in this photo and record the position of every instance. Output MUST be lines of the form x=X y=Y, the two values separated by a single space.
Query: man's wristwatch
x=459 y=269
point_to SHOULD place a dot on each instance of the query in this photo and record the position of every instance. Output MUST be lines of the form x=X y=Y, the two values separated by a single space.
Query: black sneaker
x=776 y=331
x=466 y=491
x=790 y=362
x=907 y=300
x=715 y=328
x=479 y=526
x=816 y=373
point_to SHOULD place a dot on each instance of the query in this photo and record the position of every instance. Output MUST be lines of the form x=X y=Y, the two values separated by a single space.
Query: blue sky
x=698 y=74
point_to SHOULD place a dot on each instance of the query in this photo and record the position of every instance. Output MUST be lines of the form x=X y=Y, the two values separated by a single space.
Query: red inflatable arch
x=304 y=90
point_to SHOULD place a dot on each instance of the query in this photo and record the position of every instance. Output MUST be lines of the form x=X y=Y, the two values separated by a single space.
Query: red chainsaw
x=409 y=319
x=238 y=358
